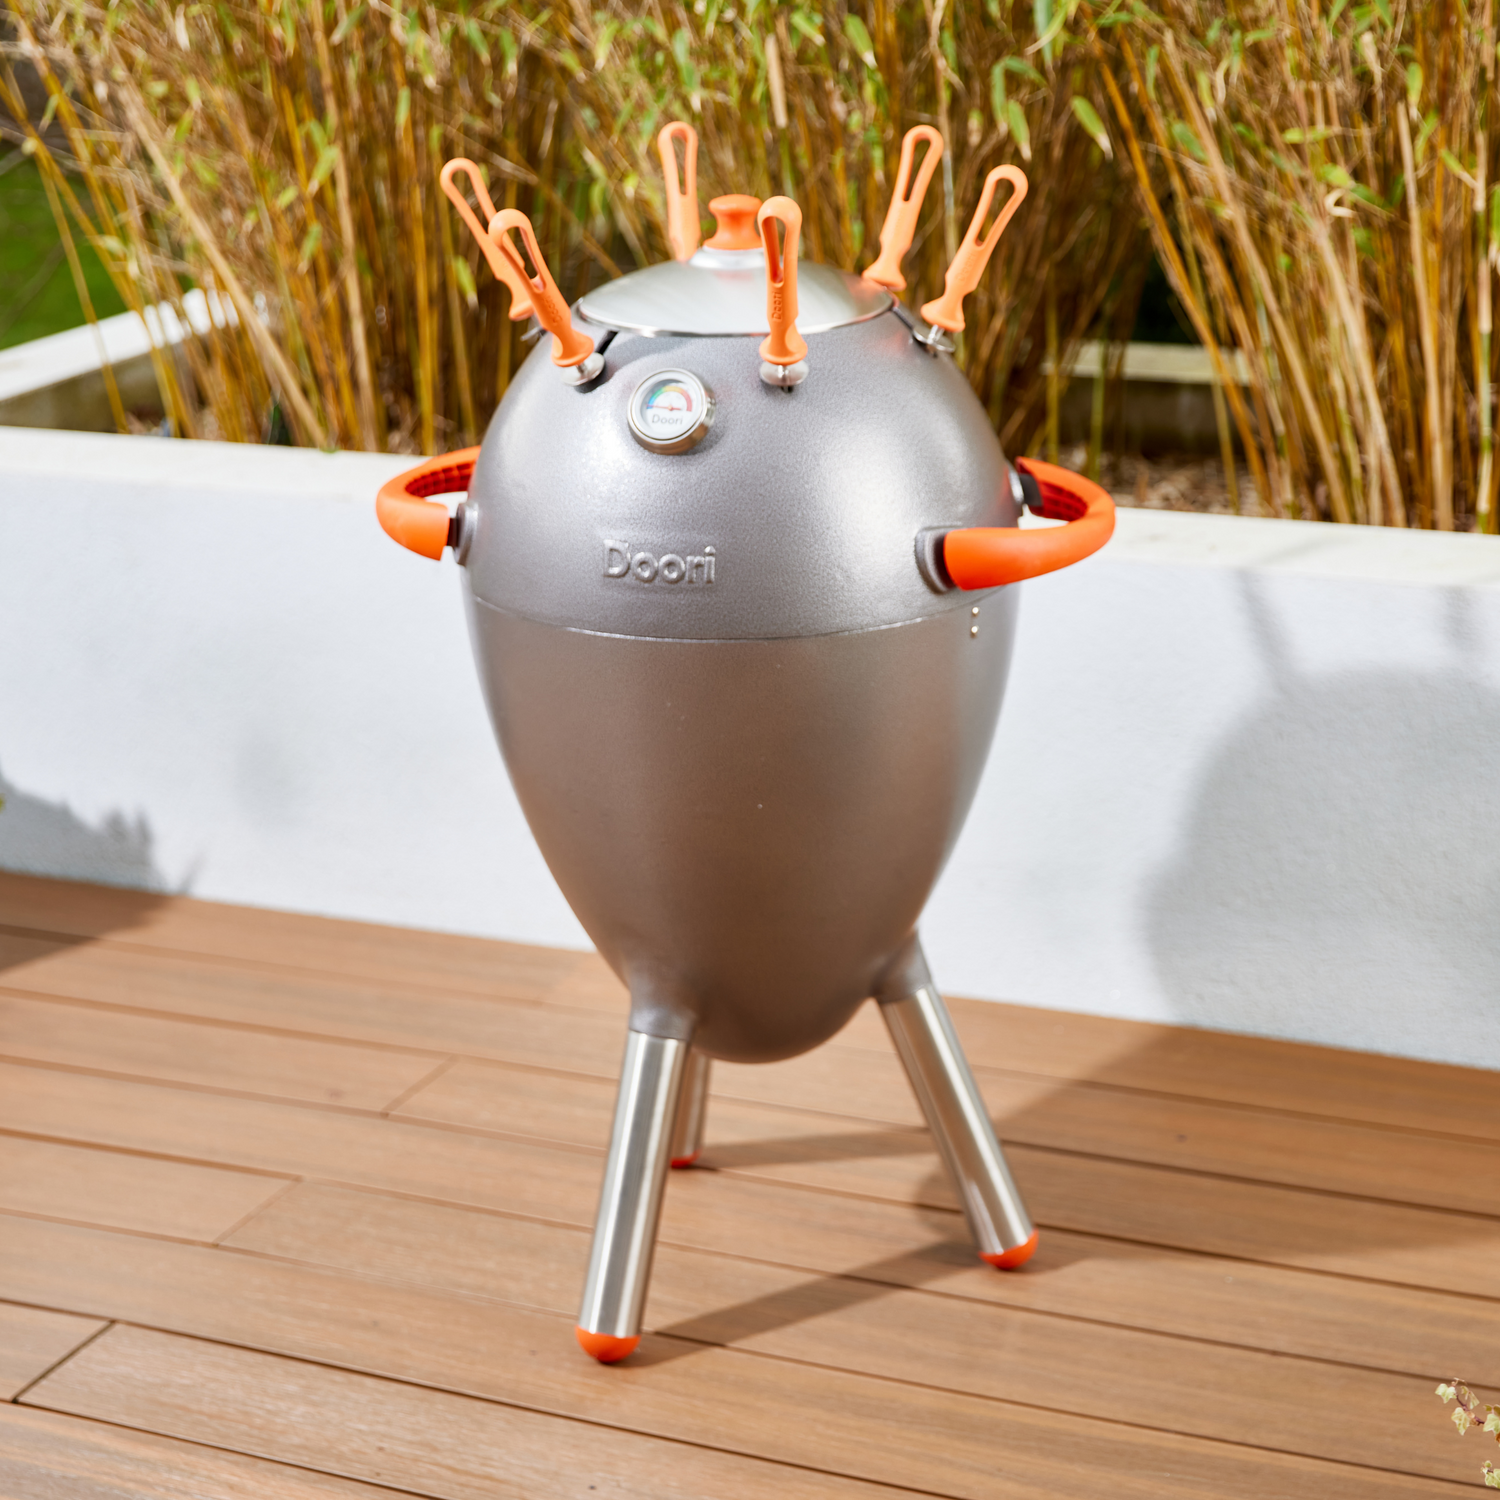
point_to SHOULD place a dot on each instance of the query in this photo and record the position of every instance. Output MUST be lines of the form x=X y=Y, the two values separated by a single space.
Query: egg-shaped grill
x=739 y=562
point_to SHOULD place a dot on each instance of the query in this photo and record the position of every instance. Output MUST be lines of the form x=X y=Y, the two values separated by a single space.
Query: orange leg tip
x=1016 y=1256
x=605 y=1347
x=684 y=1161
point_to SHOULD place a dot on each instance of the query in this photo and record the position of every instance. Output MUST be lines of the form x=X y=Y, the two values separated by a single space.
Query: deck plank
x=1077 y=1276
x=438 y=1444
x=374 y=1011
x=220 y=1057
x=47 y=1456
x=259 y=937
x=1189 y=1211
x=342 y=1176
x=814 y=1417
x=120 y=1190
x=1266 y=1145
x=33 y=1339
x=1189 y=1135
x=1182 y=1061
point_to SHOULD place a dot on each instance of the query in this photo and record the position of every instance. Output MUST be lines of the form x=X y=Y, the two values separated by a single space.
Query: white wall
x=1247 y=776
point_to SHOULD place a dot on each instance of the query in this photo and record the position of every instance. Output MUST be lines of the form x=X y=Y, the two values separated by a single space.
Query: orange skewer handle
x=682 y=193
x=974 y=254
x=784 y=346
x=520 y=298
x=406 y=512
x=569 y=347
x=906 y=203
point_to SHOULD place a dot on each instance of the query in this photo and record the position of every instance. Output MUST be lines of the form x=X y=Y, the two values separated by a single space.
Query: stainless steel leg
x=934 y=1060
x=635 y=1175
x=692 y=1107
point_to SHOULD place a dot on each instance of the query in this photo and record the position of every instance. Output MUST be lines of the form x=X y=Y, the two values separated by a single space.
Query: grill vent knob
x=735 y=215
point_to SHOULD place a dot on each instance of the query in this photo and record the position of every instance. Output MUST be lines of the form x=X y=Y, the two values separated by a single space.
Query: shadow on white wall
x=38 y=837
x=1377 y=887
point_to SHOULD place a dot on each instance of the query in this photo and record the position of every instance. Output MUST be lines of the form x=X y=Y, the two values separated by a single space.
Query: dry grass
x=1317 y=180
x=285 y=154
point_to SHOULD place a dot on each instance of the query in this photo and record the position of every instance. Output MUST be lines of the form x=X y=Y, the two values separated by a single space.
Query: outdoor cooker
x=737 y=559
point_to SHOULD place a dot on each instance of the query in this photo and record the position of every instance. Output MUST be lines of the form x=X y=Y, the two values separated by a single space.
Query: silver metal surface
x=810 y=501
x=635 y=1175
x=670 y=411
x=747 y=830
x=585 y=372
x=744 y=727
x=930 y=1052
x=932 y=338
x=468 y=521
x=783 y=377
x=722 y=293
x=692 y=1110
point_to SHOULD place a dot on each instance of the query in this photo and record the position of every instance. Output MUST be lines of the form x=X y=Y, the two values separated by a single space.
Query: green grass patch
x=37 y=296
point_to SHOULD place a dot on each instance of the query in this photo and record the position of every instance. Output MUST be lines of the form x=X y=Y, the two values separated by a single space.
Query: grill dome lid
x=721 y=293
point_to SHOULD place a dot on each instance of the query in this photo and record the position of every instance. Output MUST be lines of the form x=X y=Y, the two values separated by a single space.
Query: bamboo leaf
x=807 y=26
x=1182 y=133
x=464 y=276
x=859 y=39
x=310 y=242
x=1413 y=83
x=1088 y=117
x=1041 y=15
x=403 y=108
x=1015 y=117
x=997 y=97
x=1455 y=166
x=347 y=25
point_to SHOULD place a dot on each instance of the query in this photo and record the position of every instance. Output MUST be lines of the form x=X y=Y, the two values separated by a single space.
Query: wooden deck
x=297 y=1209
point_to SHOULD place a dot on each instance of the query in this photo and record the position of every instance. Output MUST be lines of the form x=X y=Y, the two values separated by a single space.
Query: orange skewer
x=784 y=348
x=520 y=298
x=906 y=202
x=569 y=347
x=682 y=193
x=973 y=255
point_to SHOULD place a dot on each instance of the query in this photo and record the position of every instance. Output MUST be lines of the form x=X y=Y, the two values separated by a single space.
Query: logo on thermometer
x=670 y=411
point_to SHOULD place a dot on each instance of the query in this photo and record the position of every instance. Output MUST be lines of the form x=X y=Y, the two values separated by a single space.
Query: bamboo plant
x=1317 y=179
x=283 y=155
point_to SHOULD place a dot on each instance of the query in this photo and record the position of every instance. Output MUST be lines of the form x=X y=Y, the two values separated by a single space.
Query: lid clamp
x=577 y=361
x=927 y=336
x=784 y=352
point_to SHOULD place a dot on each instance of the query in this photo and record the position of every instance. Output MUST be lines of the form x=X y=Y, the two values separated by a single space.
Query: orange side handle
x=906 y=203
x=520 y=298
x=974 y=254
x=408 y=516
x=569 y=347
x=682 y=193
x=784 y=346
x=984 y=557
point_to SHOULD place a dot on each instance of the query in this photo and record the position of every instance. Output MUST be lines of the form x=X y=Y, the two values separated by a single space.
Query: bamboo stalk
x=1437 y=451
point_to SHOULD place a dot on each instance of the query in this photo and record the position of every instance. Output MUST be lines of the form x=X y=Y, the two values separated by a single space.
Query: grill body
x=743 y=727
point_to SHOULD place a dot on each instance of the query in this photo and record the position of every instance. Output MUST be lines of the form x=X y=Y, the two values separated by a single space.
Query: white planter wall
x=1247 y=776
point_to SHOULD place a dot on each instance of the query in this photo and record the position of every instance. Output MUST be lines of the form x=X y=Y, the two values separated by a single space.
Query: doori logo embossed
x=668 y=567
